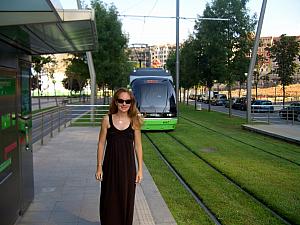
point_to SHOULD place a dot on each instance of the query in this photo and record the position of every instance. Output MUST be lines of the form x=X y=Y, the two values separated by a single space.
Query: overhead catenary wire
x=153 y=7
x=174 y=17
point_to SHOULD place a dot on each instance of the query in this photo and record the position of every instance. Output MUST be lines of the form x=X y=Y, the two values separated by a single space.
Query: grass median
x=180 y=202
x=273 y=180
x=232 y=127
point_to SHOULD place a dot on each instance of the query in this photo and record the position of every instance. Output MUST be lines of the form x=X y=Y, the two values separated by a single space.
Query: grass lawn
x=84 y=121
x=273 y=180
x=180 y=202
x=232 y=127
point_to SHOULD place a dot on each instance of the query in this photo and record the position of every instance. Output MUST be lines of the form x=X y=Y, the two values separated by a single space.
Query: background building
x=160 y=54
x=268 y=78
x=139 y=54
x=150 y=56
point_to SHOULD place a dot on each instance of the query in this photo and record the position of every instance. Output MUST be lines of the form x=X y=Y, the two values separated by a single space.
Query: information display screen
x=8 y=135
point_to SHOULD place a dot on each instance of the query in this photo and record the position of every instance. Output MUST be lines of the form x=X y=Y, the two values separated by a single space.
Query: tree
x=77 y=73
x=260 y=59
x=189 y=65
x=284 y=53
x=38 y=63
x=226 y=44
x=212 y=56
x=171 y=64
x=110 y=60
x=49 y=68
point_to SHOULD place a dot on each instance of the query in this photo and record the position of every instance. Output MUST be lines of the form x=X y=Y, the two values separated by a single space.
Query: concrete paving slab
x=290 y=133
x=66 y=191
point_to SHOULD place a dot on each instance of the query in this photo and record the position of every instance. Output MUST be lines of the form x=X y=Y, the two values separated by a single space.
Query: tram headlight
x=154 y=115
x=170 y=115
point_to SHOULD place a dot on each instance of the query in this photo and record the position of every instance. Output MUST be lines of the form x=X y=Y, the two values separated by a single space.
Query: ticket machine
x=29 y=28
x=16 y=168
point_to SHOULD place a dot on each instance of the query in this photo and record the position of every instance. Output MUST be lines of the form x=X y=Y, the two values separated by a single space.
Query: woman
x=120 y=130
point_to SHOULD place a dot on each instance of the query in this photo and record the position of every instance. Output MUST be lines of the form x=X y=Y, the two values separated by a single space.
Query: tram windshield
x=154 y=96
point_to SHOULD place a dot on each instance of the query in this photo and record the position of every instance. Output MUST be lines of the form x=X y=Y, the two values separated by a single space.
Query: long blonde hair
x=133 y=113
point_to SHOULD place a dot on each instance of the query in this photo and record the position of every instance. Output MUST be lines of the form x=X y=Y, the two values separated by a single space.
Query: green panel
x=5 y=164
x=159 y=124
x=7 y=85
x=5 y=121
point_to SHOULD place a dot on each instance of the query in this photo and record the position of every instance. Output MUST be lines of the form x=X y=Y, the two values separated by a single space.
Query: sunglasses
x=121 y=101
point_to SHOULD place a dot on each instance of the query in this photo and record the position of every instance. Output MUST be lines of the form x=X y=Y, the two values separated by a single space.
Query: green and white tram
x=155 y=96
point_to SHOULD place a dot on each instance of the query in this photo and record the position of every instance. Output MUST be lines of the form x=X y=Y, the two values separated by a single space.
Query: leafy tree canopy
x=110 y=60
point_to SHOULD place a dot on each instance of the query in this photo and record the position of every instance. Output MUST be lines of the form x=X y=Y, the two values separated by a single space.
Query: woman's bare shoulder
x=105 y=121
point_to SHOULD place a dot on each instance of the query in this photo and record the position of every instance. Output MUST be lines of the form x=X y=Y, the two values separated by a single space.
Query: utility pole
x=253 y=59
x=177 y=57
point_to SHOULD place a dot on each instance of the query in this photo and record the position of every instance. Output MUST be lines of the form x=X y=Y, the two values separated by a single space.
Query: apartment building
x=160 y=53
x=150 y=56
x=266 y=66
x=139 y=54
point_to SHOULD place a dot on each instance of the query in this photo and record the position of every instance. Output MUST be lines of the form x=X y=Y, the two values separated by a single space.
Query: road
x=258 y=117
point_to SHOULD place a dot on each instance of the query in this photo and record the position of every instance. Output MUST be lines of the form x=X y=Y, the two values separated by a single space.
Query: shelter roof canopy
x=43 y=27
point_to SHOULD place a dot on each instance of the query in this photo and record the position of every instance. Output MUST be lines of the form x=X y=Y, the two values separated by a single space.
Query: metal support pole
x=93 y=81
x=92 y=73
x=253 y=59
x=51 y=119
x=42 y=129
x=58 y=118
x=65 y=117
x=177 y=57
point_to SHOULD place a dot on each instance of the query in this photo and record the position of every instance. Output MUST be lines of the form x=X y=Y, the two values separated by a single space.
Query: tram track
x=196 y=196
x=187 y=187
x=240 y=141
x=233 y=182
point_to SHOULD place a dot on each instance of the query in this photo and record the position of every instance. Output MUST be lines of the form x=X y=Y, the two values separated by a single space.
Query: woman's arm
x=139 y=154
x=101 y=145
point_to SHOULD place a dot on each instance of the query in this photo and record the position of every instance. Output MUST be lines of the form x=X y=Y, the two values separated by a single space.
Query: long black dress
x=119 y=172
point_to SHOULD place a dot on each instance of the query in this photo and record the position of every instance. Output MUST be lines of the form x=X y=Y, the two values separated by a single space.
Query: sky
x=281 y=17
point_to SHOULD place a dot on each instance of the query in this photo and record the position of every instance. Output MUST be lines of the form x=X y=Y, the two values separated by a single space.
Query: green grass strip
x=232 y=127
x=231 y=205
x=181 y=204
x=84 y=121
x=274 y=180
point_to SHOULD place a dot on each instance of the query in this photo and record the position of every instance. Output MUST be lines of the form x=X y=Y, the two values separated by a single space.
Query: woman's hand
x=139 y=177
x=99 y=173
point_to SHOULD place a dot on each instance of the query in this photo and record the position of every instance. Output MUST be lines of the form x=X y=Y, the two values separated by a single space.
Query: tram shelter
x=31 y=27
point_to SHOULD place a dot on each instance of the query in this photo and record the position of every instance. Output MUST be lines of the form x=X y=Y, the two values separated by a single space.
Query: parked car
x=200 y=97
x=219 y=99
x=233 y=100
x=262 y=106
x=241 y=104
x=291 y=112
x=192 y=96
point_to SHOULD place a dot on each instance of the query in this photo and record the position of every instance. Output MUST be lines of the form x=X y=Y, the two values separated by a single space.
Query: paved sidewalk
x=66 y=192
x=290 y=133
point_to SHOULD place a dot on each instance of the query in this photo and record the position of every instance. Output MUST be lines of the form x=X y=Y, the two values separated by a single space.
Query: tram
x=155 y=98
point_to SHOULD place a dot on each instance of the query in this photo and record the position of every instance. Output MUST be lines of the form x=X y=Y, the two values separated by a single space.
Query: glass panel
x=28 y=5
x=8 y=137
